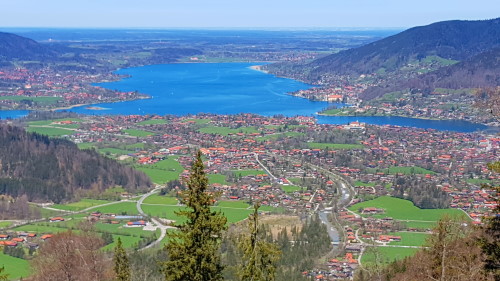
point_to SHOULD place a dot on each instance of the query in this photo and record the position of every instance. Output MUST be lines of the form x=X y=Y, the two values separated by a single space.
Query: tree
x=194 y=250
x=259 y=257
x=490 y=242
x=122 y=265
x=73 y=257
x=3 y=276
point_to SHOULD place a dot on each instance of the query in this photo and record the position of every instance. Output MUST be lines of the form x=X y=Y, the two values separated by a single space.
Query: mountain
x=481 y=70
x=15 y=47
x=455 y=40
x=55 y=170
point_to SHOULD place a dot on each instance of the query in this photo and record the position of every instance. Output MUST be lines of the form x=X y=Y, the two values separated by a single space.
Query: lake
x=222 y=88
x=229 y=88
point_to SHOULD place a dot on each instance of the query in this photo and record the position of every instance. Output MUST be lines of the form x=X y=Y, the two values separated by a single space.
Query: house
x=46 y=236
x=56 y=219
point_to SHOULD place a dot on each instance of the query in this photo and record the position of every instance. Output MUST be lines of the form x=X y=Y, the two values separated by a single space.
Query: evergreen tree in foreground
x=194 y=250
x=259 y=256
x=122 y=265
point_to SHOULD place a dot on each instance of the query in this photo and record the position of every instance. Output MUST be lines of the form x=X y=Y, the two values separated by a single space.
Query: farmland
x=387 y=254
x=404 y=210
x=14 y=267
x=163 y=171
x=80 y=205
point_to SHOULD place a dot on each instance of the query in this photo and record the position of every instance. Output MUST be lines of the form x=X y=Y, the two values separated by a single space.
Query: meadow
x=401 y=209
x=14 y=267
x=409 y=238
x=225 y=131
x=243 y=173
x=50 y=131
x=401 y=170
x=334 y=145
x=138 y=133
x=80 y=205
x=162 y=171
x=387 y=254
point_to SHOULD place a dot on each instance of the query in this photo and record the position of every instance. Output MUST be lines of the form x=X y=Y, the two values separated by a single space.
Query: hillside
x=55 y=169
x=482 y=70
x=456 y=40
x=14 y=47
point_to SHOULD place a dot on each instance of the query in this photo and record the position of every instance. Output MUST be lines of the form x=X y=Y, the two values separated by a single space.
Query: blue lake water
x=12 y=114
x=223 y=88
x=229 y=88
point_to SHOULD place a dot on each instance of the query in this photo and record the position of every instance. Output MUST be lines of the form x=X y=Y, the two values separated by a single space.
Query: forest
x=46 y=169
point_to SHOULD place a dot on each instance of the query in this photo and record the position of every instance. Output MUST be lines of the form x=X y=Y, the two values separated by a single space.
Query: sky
x=240 y=13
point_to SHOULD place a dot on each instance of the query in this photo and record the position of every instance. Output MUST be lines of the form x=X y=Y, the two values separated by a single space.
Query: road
x=154 y=221
x=264 y=167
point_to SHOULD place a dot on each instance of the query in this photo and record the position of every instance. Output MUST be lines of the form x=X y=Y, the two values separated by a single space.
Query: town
x=356 y=175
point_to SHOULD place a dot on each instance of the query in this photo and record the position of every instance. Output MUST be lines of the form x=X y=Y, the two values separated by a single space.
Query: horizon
x=225 y=14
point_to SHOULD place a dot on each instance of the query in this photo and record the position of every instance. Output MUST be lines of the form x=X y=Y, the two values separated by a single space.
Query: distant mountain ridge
x=457 y=40
x=17 y=47
x=481 y=70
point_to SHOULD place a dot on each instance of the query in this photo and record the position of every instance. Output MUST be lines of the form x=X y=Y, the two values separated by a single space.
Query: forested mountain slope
x=55 y=169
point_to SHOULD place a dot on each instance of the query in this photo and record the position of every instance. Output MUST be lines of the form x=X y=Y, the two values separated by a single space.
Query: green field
x=272 y=209
x=158 y=199
x=280 y=135
x=387 y=254
x=164 y=211
x=14 y=267
x=410 y=238
x=128 y=208
x=334 y=111
x=114 y=151
x=50 y=131
x=128 y=242
x=41 y=100
x=80 y=205
x=168 y=212
x=153 y=122
x=138 y=133
x=49 y=122
x=400 y=209
x=4 y=224
x=291 y=188
x=85 y=145
x=43 y=227
x=238 y=204
x=334 y=145
x=162 y=171
x=420 y=225
x=360 y=183
x=233 y=215
x=242 y=173
x=197 y=121
x=401 y=170
x=478 y=181
x=226 y=131
x=215 y=178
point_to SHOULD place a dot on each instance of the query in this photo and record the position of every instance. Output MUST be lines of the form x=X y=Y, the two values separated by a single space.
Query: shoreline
x=258 y=68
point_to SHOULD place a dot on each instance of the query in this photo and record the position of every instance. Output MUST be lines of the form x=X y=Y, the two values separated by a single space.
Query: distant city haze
x=240 y=14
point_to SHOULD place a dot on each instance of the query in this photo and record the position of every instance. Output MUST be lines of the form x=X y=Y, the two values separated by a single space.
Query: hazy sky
x=240 y=13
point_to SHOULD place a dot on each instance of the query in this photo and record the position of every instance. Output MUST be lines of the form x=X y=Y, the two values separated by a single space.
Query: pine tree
x=122 y=265
x=259 y=256
x=194 y=250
